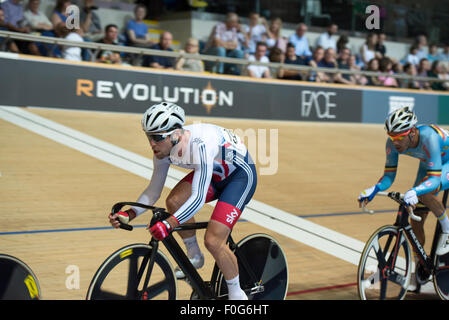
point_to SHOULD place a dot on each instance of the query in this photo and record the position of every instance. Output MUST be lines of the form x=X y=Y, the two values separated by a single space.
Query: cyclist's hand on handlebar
x=410 y=198
x=367 y=195
x=160 y=230
x=122 y=216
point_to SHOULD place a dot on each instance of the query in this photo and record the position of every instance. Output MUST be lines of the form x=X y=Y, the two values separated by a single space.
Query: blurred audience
x=254 y=32
x=274 y=37
x=223 y=42
x=327 y=39
x=14 y=21
x=260 y=41
x=137 y=30
x=90 y=21
x=258 y=71
x=300 y=41
x=190 y=64
x=161 y=62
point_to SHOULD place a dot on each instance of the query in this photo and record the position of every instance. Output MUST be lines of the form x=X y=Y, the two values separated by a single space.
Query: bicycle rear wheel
x=118 y=277
x=385 y=266
x=17 y=280
x=441 y=276
x=267 y=277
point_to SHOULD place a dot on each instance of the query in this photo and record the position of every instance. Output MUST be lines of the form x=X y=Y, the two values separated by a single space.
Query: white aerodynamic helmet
x=400 y=120
x=164 y=116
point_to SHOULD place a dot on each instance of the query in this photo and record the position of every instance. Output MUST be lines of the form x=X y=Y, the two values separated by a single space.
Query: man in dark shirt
x=161 y=62
x=292 y=58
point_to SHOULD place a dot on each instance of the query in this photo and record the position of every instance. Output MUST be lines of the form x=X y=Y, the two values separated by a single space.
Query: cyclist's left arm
x=432 y=148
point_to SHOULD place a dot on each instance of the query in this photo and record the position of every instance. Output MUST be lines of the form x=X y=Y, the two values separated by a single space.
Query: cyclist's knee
x=214 y=244
x=173 y=202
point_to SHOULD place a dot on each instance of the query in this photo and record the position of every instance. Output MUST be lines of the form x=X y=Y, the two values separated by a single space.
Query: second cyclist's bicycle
x=385 y=265
x=143 y=272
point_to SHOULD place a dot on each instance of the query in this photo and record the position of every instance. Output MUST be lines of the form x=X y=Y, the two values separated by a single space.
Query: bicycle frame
x=402 y=221
x=195 y=280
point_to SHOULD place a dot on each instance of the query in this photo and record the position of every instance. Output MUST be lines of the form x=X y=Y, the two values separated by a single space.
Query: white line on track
x=282 y=222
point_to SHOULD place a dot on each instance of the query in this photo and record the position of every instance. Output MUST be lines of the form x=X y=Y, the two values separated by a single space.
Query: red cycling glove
x=160 y=230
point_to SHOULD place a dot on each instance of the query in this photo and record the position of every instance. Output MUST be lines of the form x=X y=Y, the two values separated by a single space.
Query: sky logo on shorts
x=230 y=217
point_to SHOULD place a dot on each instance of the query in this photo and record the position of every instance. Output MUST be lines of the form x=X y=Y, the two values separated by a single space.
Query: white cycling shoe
x=443 y=244
x=197 y=261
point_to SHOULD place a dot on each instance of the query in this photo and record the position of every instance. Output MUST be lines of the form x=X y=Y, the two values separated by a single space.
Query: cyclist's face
x=161 y=149
x=402 y=141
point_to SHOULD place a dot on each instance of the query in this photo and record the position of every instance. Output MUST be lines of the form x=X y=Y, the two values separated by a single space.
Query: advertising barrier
x=46 y=82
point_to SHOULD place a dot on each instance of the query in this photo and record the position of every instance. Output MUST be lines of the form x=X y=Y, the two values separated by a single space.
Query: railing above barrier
x=143 y=51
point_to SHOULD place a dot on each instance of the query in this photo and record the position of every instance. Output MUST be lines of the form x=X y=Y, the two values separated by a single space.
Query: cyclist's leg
x=418 y=226
x=233 y=198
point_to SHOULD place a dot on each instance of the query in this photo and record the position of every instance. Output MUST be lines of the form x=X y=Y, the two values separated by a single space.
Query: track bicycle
x=142 y=272
x=17 y=280
x=385 y=266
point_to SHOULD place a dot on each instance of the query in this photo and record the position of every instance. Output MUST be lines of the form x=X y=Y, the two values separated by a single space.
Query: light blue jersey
x=432 y=150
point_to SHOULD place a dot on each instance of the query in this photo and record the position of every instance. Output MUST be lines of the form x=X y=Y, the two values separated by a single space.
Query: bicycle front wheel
x=385 y=266
x=17 y=280
x=123 y=274
x=263 y=269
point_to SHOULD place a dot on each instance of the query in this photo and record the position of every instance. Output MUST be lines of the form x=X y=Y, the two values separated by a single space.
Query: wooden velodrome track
x=65 y=195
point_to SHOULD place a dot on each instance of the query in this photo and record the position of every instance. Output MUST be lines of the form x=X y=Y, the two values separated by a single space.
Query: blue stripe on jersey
x=195 y=205
x=244 y=165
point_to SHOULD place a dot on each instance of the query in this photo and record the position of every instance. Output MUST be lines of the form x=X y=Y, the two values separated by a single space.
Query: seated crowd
x=258 y=41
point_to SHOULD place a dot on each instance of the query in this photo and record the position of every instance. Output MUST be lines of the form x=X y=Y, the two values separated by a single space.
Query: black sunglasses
x=158 y=137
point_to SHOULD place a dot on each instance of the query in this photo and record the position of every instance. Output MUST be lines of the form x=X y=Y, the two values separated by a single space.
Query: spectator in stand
x=444 y=56
x=161 y=62
x=72 y=53
x=137 y=30
x=36 y=19
x=14 y=21
x=328 y=39
x=110 y=37
x=344 y=63
x=254 y=32
x=258 y=71
x=381 y=49
x=424 y=67
x=292 y=59
x=412 y=56
x=373 y=66
x=386 y=66
x=358 y=79
x=433 y=53
x=318 y=55
x=189 y=64
x=410 y=69
x=438 y=70
x=368 y=49
x=328 y=61
x=274 y=37
x=421 y=43
x=342 y=43
x=223 y=42
x=60 y=13
x=6 y=44
x=90 y=21
x=276 y=55
x=300 y=41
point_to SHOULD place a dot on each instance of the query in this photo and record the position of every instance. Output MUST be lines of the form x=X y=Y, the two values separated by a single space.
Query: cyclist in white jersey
x=222 y=169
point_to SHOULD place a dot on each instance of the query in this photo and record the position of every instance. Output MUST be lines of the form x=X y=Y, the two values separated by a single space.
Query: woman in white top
x=274 y=38
x=368 y=49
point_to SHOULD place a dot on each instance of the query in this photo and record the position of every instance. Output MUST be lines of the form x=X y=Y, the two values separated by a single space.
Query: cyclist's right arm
x=391 y=165
x=152 y=193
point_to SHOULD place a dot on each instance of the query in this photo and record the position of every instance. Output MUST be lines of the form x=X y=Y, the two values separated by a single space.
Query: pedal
x=258 y=288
